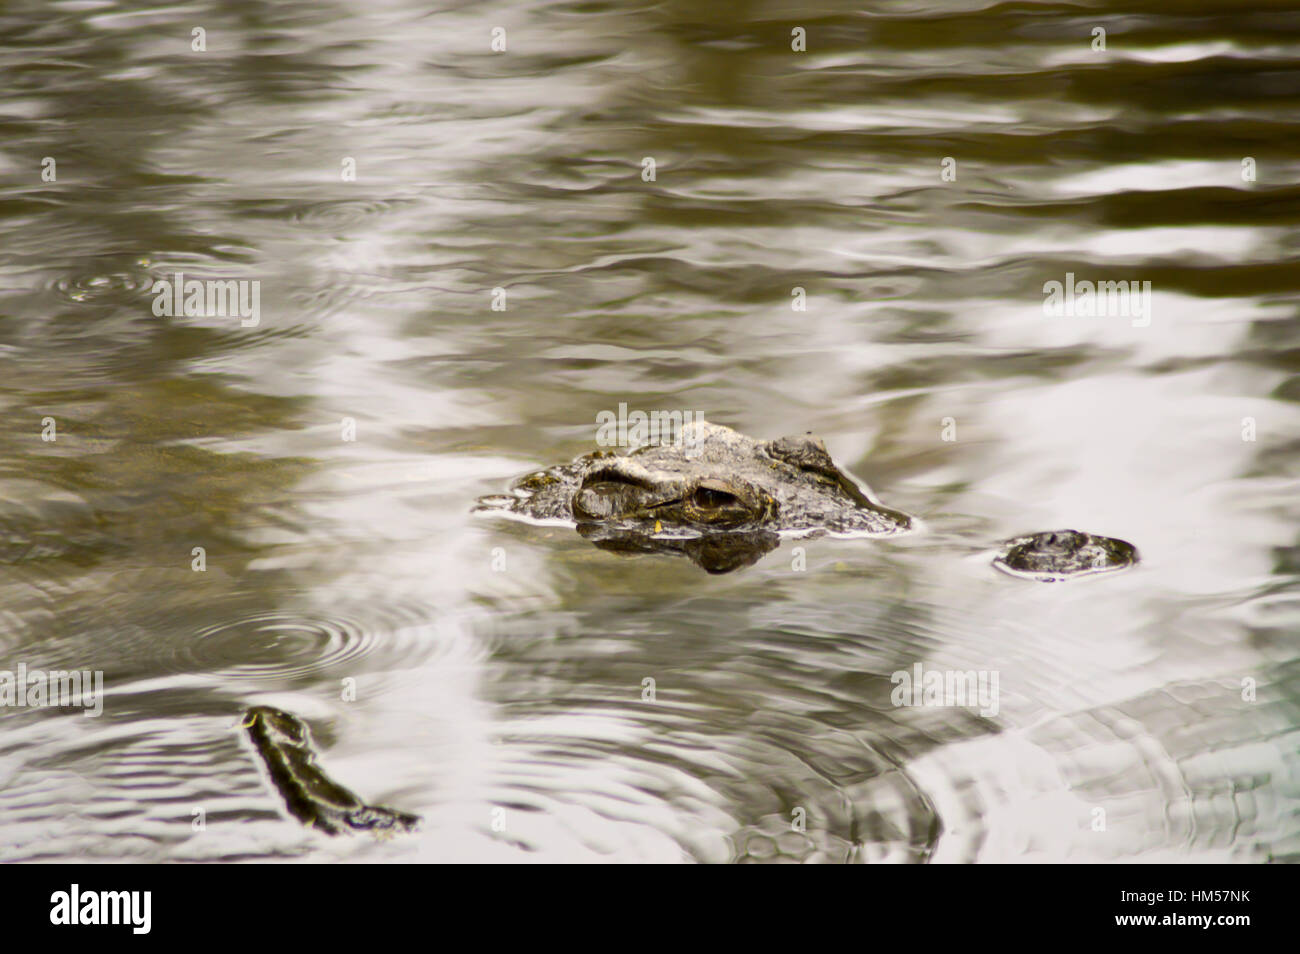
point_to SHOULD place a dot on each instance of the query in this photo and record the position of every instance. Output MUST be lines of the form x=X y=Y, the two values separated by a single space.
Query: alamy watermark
x=208 y=298
x=638 y=428
x=40 y=688
x=946 y=688
x=131 y=908
x=1087 y=299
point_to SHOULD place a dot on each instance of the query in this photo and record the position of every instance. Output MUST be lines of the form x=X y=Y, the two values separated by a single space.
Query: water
x=499 y=668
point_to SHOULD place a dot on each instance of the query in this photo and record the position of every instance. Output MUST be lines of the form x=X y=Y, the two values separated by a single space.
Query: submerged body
x=284 y=743
x=716 y=496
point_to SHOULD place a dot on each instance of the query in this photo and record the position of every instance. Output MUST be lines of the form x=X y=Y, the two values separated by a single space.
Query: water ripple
x=102 y=286
x=278 y=645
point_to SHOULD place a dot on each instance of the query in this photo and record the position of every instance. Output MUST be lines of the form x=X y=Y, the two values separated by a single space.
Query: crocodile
x=715 y=496
x=284 y=743
x=723 y=500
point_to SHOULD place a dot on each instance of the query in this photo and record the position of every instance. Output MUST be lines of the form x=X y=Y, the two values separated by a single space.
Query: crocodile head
x=713 y=481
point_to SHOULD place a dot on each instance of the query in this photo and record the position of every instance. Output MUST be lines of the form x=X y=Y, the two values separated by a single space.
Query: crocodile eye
x=706 y=498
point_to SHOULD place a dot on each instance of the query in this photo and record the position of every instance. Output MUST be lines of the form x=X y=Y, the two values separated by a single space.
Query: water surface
x=499 y=668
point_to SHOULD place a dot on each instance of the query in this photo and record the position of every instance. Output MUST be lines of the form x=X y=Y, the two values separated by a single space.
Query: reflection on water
x=278 y=515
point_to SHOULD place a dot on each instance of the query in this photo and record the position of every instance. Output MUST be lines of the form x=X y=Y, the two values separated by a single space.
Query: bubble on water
x=102 y=286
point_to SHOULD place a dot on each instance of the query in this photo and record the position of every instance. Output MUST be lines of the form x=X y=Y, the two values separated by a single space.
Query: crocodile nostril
x=605 y=499
x=1057 y=541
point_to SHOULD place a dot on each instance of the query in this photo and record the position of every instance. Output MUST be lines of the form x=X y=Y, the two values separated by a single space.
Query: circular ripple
x=102 y=286
x=118 y=635
x=274 y=645
x=342 y=213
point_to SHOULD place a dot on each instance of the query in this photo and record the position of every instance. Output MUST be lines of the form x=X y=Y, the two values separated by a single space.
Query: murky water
x=500 y=669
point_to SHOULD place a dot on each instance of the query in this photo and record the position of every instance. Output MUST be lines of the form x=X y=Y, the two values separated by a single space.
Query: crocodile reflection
x=712 y=552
